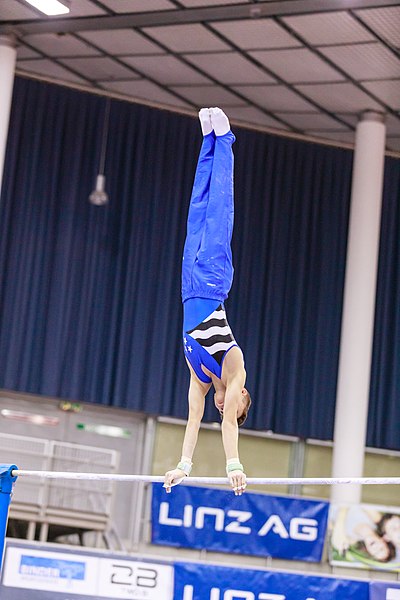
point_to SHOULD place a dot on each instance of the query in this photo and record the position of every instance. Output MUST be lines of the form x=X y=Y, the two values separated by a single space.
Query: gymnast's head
x=243 y=406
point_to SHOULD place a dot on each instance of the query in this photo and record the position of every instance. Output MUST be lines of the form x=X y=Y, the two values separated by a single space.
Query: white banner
x=84 y=575
x=131 y=579
x=365 y=536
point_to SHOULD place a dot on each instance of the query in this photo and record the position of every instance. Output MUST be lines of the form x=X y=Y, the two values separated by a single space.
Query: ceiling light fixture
x=50 y=7
x=99 y=196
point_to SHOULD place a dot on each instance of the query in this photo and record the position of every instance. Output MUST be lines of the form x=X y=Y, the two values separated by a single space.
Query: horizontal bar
x=211 y=480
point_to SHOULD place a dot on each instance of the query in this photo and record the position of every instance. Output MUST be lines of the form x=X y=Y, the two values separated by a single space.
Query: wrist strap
x=234 y=466
x=185 y=467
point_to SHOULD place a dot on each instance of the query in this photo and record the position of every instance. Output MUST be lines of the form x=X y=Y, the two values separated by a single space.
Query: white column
x=359 y=306
x=8 y=57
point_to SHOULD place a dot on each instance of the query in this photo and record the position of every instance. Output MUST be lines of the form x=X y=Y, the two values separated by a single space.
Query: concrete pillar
x=8 y=57
x=359 y=306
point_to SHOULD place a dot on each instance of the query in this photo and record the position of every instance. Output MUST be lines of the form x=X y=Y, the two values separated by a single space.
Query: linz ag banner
x=207 y=582
x=253 y=524
x=32 y=572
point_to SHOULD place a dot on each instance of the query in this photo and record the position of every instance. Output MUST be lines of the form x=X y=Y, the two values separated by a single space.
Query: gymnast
x=211 y=352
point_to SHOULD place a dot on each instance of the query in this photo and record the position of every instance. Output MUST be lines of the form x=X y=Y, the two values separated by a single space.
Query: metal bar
x=211 y=480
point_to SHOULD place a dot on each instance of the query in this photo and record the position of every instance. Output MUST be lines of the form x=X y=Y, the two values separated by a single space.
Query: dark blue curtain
x=384 y=409
x=292 y=203
x=90 y=296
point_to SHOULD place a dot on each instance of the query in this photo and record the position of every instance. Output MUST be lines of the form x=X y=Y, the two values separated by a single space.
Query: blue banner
x=380 y=590
x=51 y=567
x=206 y=582
x=253 y=524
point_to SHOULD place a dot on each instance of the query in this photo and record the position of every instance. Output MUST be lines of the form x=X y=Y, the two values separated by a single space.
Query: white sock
x=205 y=121
x=220 y=121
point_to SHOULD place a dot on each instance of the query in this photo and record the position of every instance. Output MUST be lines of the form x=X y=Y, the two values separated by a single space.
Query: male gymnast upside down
x=211 y=352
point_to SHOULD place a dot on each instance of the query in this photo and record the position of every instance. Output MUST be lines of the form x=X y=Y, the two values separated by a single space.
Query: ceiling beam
x=253 y=10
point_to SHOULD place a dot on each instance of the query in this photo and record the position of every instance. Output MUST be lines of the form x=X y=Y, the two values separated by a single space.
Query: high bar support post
x=7 y=481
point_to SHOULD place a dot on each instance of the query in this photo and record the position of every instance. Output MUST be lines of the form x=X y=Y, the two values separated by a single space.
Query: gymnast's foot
x=219 y=121
x=205 y=121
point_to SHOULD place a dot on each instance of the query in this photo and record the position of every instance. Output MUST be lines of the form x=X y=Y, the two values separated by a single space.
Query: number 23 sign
x=135 y=580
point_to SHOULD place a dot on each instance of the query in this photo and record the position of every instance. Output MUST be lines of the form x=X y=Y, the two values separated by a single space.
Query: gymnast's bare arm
x=197 y=393
x=234 y=376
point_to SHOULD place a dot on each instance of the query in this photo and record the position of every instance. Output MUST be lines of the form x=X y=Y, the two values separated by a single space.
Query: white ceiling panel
x=121 y=41
x=385 y=21
x=311 y=121
x=12 y=10
x=250 y=114
x=48 y=68
x=275 y=97
x=186 y=38
x=387 y=91
x=350 y=119
x=60 y=45
x=256 y=34
x=297 y=65
x=229 y=68
x=393 y=125
x=99 y=68
x=310 y=72
x=209 y=95
x=193 y=3
x=338 y=136
x=83 y=8
x=24 y=52
x=339 y=97
x=329 y=28
x=393 y=143
x=145 y=90
x=166 y=69
x=133 y=6
x=365 y=61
